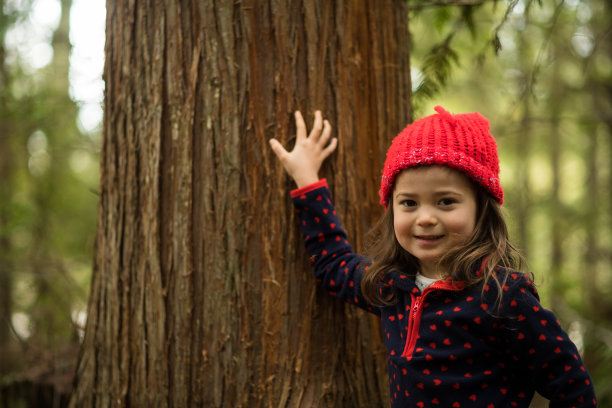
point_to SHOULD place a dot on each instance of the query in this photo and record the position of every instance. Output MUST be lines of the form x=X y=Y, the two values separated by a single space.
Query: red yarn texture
x=460 y=141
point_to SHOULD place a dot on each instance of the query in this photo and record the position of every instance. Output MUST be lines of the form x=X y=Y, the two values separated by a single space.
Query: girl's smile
x=434 y=210
x=428 y=239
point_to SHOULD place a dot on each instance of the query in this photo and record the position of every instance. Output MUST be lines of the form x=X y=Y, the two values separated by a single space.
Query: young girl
x=462 y=327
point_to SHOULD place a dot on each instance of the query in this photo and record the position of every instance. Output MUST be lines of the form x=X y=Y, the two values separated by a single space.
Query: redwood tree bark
x=202 y=294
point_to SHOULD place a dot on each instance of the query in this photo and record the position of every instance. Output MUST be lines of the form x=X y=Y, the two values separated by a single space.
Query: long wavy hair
x=490 y=241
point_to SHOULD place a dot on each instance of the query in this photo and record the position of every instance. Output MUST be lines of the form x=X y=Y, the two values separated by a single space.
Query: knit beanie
x=460 y=141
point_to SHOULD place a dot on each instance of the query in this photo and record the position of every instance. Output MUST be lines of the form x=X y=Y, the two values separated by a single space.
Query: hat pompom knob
x=446 y=115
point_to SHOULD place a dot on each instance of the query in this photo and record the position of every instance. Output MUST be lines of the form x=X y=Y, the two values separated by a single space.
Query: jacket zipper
x=416 y=310
x=414 y=323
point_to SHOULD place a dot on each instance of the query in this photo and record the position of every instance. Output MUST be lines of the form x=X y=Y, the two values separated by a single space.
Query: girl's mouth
x=429 y=237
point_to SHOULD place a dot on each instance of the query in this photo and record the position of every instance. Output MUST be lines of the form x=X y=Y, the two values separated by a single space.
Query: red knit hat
x=459 y=141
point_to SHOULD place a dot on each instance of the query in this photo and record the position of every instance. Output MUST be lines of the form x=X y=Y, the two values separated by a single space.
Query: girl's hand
x=304 y=161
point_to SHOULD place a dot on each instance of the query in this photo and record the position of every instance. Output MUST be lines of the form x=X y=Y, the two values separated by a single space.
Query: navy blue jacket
x=445 y=347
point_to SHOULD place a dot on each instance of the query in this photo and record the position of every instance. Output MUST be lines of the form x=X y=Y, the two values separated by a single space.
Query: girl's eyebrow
x=438 y=193
x=404 y=194
x=448 y=192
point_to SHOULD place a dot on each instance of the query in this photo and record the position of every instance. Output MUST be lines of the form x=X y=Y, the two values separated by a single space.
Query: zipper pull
x=417 y=303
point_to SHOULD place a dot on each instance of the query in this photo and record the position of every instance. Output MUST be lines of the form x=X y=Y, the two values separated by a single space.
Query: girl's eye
x=447 y=201
x=408 y=203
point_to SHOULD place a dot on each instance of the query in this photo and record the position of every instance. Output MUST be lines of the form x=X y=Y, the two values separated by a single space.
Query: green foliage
x=436 y=69
x=441 y=16
x=436 y=49
x=47 y=204
x=467 y=16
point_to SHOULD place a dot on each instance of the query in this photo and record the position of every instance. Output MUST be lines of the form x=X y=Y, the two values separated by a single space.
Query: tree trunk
x=50 y=318
x=523 y=146
x=7 y=170
x=201 y=293
x=556 y=204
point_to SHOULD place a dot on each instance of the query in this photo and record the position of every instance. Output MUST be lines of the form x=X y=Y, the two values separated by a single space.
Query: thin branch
x=597 y=42
x=543 y=48
x=442 y=3
x=496 y=41
x=600 y=332
x=20 y=339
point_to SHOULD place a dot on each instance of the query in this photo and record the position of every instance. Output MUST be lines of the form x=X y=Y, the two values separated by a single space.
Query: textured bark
x=202 y=294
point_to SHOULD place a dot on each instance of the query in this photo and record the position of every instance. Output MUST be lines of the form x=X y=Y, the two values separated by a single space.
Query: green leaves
x=437 y=68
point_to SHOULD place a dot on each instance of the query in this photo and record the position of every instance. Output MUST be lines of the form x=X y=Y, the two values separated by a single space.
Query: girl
x=462 y=327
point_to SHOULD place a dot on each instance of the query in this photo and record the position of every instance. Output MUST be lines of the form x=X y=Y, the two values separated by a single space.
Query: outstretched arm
x=305 y=160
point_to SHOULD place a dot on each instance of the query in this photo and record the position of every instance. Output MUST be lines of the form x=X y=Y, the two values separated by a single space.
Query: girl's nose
x=426 y=217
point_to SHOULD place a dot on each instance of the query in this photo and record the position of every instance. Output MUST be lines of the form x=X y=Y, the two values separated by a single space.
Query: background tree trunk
x=557 y=212
x=51 y=319
x=201 y=293
x=7 y=349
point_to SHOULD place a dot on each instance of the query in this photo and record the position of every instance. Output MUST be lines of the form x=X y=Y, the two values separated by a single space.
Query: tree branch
x=441 y=3
x=601 y=333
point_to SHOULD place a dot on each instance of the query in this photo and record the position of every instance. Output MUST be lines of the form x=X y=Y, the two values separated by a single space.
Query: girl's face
x=434 y=210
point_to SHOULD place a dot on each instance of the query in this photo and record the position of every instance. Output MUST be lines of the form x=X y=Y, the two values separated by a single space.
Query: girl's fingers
x=317 y=140
x=278 y=149
x=325 y=134
x=300 y=126
x=315 y=133
x=330 y=148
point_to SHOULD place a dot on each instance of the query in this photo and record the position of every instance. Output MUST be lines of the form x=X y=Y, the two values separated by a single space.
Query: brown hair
x=489 y=241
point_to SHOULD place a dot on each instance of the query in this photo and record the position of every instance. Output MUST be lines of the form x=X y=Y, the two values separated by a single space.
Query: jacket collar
x=405 y=281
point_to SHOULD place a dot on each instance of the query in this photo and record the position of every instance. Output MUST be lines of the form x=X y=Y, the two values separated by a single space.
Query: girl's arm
x=336 y=268
x=536 y=339
x=304 y=161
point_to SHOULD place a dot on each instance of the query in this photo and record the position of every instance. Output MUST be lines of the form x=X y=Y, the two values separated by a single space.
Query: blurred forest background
x=541 y=71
